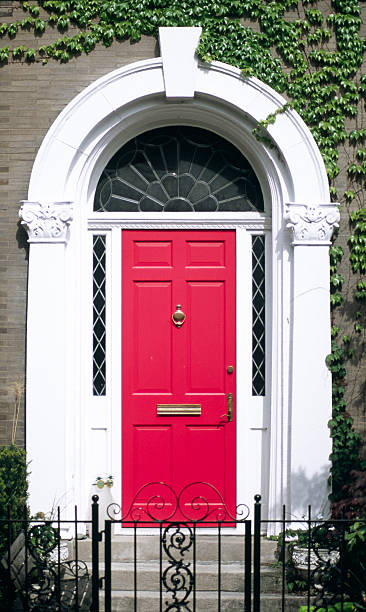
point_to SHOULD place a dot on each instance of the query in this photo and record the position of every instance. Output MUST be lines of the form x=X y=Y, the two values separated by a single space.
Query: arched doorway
x=62 y=227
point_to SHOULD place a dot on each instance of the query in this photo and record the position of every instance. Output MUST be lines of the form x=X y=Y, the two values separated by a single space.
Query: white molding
x=251 y=221
x=94 y=117
x=177 y=48
x=46 y=221
x=312 y=224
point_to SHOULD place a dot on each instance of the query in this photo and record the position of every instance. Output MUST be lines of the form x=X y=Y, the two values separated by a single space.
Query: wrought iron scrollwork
x=177 y=515
x=177 y=578
x=41 y=577
x=50 y=583
x=197 y=502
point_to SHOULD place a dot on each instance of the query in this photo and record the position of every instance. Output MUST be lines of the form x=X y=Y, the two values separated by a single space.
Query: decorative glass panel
x=99 y=320
x=178 y=169
x=258 y=310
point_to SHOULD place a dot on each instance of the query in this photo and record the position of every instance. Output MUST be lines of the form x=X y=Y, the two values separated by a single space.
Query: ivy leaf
x=34 y=10
x=4 y=54
x=30 y=54
x=18 y=52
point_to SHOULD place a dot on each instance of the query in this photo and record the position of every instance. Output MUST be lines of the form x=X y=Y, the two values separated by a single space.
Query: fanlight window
x=179 y=169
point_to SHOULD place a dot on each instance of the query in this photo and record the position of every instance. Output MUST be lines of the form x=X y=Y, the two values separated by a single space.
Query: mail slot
x=178 y=409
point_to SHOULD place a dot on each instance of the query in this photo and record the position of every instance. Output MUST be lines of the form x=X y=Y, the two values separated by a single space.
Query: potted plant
x=314 y=549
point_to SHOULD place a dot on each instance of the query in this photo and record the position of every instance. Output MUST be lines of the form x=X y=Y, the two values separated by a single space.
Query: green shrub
x=13 y=494
x=347 y=607
x=13 y=485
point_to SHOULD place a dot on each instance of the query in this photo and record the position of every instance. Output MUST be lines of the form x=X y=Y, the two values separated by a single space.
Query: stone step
x=232 y=577
x=148 y=549
x=206 y=601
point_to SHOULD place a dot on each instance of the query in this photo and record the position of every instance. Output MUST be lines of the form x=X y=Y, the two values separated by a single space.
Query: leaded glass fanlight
x=178 y=169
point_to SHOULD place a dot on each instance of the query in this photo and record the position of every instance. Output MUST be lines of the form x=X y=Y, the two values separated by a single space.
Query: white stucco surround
x=283 y=440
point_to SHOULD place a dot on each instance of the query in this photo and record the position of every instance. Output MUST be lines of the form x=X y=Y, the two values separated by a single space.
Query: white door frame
x=170 y=90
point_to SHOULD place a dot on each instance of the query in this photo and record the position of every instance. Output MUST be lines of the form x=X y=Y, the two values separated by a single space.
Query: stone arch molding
x=94 y=118
x=177 y=88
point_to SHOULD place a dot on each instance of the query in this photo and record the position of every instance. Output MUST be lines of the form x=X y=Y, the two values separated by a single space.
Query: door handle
x=229 y=408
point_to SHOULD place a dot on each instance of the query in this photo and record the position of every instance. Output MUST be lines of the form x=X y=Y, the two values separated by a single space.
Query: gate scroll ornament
x=177 y=515
x=197 y=502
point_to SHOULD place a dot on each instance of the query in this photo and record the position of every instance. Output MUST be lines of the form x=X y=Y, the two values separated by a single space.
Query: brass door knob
x=178 y=317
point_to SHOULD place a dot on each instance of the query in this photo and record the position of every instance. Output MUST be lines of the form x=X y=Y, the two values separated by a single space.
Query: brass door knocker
x=178 y=317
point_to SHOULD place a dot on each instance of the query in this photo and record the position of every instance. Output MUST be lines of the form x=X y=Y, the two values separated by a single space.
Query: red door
x=176 y=374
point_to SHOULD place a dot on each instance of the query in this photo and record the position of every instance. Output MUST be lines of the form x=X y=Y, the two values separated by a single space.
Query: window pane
x=99 y=320
x=179 y=169
x=258 y=313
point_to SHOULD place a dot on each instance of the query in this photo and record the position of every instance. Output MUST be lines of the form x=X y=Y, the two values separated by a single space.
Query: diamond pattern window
x=99 y=312
x=258 y=315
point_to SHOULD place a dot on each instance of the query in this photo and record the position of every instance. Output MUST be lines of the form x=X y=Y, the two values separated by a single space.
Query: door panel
x=152 y=452
x=151 y=343
x=169 y=365
x=206 y=338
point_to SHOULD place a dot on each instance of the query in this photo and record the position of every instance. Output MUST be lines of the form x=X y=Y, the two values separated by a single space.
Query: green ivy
x=313 y=59
x=346 y=442
x=357 y=240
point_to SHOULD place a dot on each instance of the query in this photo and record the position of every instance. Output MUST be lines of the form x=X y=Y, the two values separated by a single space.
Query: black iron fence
x=182 y=520
x=179 y=552
x=322 y=562
x=39 y=571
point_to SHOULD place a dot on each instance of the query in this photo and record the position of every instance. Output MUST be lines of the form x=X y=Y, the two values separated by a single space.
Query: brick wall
x=31 y=97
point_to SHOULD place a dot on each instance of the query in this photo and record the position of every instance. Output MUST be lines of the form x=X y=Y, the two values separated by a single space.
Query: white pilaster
x=311 y=380
x=47 y=225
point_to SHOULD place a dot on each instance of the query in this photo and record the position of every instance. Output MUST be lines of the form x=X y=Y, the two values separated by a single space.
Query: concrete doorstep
x=206 y=575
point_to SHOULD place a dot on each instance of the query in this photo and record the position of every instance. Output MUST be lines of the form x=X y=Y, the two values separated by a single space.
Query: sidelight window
x=99 y=315
x=258 y=315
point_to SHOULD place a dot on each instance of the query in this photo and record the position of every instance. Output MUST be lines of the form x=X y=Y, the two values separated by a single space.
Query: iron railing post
x=308 y=573
x=95 y=554
x=257 y=555
x=248 y=567
x=9 y=542
x=108 y=566
x=283 y=559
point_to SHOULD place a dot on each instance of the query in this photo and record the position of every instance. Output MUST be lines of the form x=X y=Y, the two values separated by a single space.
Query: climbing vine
x=311 y=51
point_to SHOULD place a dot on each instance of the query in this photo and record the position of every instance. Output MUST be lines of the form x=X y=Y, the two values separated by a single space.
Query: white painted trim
x=251 y=221
x=67 y=168
x=96 y=114
x=116 y=359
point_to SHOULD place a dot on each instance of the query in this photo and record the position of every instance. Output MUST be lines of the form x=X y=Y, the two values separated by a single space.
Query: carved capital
x=46 y=221
x=312 y=224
